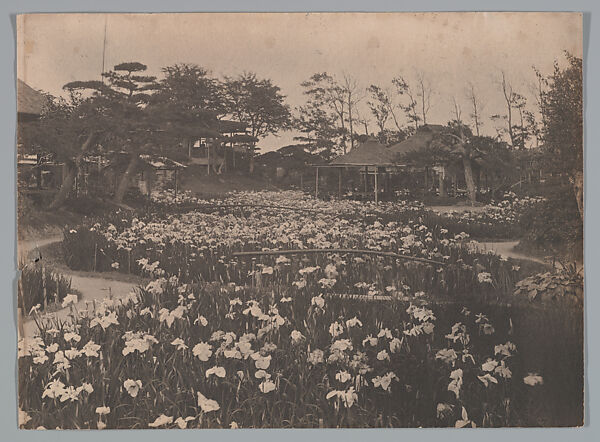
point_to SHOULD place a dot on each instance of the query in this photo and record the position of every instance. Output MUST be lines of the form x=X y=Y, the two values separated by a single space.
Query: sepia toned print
x=319 y=220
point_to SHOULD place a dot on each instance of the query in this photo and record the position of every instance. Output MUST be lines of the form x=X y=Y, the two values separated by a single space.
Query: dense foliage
x=39 y=286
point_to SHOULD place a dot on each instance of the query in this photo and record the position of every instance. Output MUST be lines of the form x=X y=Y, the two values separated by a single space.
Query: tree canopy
x=563 y=116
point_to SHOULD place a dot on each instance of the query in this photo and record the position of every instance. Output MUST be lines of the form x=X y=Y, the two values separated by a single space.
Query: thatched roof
x=369 y=153
x=373 y=153
x=289 y=157
x=417 y=142
x=29 y=101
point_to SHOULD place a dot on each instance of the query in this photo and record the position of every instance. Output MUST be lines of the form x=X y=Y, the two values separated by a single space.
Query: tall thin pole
x=317 y=182
x=208 y=158
x=175 y=183
x=104 y=48
x=376 y=189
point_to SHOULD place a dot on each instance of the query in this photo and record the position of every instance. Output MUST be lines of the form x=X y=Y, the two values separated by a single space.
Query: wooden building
x=374 y=161
x=229 y=147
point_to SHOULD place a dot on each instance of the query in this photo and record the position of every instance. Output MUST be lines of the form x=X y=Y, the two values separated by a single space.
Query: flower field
x=323 y=339
x=196 y=245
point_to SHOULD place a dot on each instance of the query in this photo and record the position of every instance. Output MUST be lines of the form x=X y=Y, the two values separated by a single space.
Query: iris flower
x=207 y=405
x=267 y=386
x=202 y=351
x=161 y=420
x=132 y=387
x=217 y=371
x=533 y=379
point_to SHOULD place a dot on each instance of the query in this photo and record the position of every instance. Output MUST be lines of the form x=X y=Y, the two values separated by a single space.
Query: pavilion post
x=175 y=183
x=366 y=180
x=207 y=158
x=340 y=183
x=386 y=183
x=317 y=182
x=376 y=189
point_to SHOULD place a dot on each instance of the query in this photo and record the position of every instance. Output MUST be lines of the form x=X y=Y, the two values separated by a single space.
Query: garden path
x=506 y=249
x=91 y=289
x=24 y=247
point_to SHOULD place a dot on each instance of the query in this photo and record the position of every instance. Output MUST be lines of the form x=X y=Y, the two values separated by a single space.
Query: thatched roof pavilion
x=374 y=158
x=369 y=153
x=421 y=140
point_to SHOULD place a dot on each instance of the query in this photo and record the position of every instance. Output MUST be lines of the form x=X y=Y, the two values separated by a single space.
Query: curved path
x=91 y=288
x=506 y=249
x=25 y=247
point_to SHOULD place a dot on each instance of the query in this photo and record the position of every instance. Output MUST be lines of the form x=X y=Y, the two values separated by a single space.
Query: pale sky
x=449 y=48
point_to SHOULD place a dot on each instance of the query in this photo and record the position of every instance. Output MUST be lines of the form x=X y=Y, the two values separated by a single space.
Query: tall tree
x=538 y=90
x=352 y=95
x=121 y=103
x=508 y=94
x=68 y=129
x=187 y=104
x=459 y=140
x=319 y=130
x=363 y=120
x=424 y=91
x=379 y=105
x=127 y=94
x=456 y=110
x=563 y=131
x=191 y=88
x=326 y=99
x=520 y=129
x=533 y=127
x=411 y=107
x=476 y=107
x=259 y=104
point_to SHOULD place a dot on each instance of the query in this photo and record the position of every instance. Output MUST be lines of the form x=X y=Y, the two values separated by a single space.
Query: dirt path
x=506 y=249
x=25 y=247
x=91 y=288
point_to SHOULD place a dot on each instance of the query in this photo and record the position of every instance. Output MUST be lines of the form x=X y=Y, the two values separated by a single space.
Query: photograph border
x=8 y=256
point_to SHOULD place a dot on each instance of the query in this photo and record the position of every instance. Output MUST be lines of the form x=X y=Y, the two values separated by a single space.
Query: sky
x=449 y=49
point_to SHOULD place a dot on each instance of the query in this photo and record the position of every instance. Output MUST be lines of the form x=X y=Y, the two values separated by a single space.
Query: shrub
x=554 y=226
x=564 y=285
